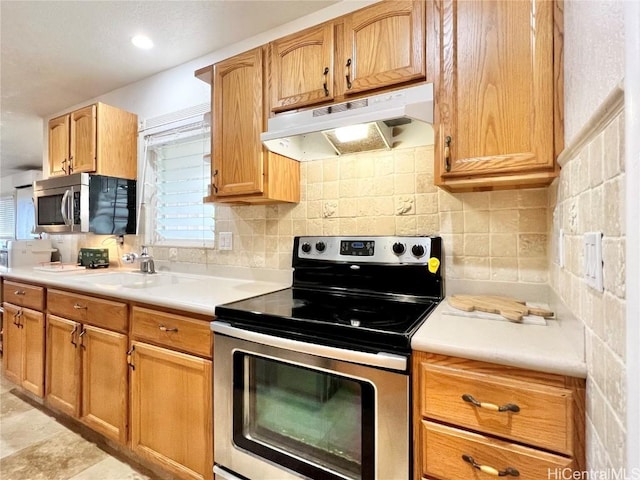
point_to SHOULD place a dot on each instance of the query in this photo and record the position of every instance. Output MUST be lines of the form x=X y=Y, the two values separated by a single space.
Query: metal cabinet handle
x=348 y=74
x=129 y=354
x=78 y=306
x=82 y=333
x=490 y=470
x=165 y=329
x=325 y=73
x=213 y=183
x=508 y=407
x=16 y=318
x=70 y=164
x=73 y=334
x=447 y=153
x=64 y=169
x=19 y=292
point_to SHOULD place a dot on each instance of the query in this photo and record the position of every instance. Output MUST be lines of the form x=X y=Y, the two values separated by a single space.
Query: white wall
x=593 y=58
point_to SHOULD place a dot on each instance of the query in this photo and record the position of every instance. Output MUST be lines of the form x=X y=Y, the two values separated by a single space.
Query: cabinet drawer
x=171 y=330
x=544 y=415
x=444 y=448
x=23 y=295
x=91 y=310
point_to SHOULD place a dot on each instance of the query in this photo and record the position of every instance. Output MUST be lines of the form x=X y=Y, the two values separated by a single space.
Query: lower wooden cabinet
x=477 y=420
x=23 y=347
x=171 y=411
x=87 y=375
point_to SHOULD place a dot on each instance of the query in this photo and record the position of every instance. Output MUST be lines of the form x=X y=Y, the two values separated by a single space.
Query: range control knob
x=417 y=251
x=398 y=248
x=306 y=248
x=320 y=246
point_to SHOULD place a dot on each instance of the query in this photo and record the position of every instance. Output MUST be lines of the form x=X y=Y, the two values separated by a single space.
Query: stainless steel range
x=313 y=381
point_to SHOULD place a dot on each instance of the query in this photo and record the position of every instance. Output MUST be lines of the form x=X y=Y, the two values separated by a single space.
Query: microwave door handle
x=64 y=207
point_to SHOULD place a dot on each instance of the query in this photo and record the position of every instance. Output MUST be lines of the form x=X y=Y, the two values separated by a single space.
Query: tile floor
x=35 y=446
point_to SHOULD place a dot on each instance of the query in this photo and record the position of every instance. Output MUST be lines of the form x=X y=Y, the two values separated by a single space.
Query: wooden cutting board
x=510 y=308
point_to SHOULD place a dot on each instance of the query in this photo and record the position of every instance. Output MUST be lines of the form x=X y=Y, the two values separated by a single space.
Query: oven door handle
x=381 y=359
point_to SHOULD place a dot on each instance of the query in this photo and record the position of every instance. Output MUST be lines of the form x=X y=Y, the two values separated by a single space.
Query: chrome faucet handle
x=129 y=257
x=144 y=252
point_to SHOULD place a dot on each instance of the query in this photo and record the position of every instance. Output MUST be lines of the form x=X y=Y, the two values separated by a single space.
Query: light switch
x=593 y=260
x=225 y=241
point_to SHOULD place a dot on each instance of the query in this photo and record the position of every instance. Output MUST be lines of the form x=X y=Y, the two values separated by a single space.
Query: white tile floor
x=34 y=446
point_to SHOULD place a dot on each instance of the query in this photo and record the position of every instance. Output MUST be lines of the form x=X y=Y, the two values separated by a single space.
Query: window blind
x=179 y=161
x=7 y=216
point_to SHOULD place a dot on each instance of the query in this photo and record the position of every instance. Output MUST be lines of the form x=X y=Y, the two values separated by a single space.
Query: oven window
x=315 y=423
x=49 y=210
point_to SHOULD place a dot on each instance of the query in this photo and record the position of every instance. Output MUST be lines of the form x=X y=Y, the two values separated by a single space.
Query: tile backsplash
x=498 y=235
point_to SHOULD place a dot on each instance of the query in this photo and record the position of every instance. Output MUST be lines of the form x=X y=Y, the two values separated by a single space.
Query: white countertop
x=192 y=293
x=557 y=347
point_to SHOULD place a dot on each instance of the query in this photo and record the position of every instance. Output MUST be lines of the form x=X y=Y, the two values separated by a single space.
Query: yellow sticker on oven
x=434 y=264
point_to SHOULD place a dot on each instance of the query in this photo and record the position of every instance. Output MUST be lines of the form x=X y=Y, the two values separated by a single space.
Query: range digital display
x=359 y=248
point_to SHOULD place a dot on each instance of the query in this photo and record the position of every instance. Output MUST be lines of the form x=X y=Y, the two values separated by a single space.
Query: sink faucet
x=146 y=261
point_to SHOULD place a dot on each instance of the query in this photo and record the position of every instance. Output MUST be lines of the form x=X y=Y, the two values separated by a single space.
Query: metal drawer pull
x=325 y=73
x=509 y=407
x=165 y=329
x=73 y=333
x=129 y=359
x=19 y=292
x=77 y=306
x=447 y=153
x=490 y=470
x=81 y=339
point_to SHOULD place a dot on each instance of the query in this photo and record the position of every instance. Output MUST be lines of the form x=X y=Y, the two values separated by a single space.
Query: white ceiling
x=55 y=54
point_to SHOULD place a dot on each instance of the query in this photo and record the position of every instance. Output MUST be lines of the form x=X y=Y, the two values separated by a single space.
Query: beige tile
x=381 y=205
x=452 y=222
x=501 y=199
x=449 y=202
x=384 y=225
x=315 y=208
x=424 y=183
x=404 y=204
x=347 y=167
x=453 y=267
x=384 y=166
x=596 y=160
x=365 y=167
x=476 y=221
x=110 y=469
x=348 y=207
x=532 y=270
x=330 y=190
x=475 y=201
x=613 y=257
x=405 y=225
x=404 y=183
x=426 y=203
x=615 y=324
x=314 y=172
x=383 y=187
x=504 y=245
x=532 y=220
x=330 y=170
x=613 y=139
x=314 y=192
x=503 y=221
x=427 y=224
x=504 y=269
x=615 y=441
x=348 y=188
x=348 y=226
x=329 y=209
x=476 y=268
x=615 y=387
x=25 y=429
x=404 y=161
x=613 y=200
x=532 y=245
x=534 y=197
x=476 y=245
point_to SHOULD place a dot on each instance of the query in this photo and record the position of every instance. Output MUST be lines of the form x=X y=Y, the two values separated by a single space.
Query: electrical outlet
x=593 y=260
x=225 y=241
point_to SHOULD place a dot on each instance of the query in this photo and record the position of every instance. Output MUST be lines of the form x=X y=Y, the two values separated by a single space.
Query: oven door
x=285 y=409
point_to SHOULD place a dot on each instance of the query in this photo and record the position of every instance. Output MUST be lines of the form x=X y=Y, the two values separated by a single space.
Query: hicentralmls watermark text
x=606 y=474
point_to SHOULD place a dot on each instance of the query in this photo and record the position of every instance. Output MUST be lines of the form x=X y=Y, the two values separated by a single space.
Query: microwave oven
x=84 y=202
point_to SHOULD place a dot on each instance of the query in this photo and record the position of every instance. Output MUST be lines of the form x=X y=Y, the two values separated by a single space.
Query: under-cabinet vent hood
x=397 y=119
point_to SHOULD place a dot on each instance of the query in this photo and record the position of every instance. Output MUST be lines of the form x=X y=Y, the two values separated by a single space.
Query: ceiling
x=55 y=54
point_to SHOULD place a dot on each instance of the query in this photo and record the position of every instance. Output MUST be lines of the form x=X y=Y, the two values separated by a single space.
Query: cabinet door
x=12 y=343
x=237 y=152
x=384 y=45
x=301 y=69
x=494 y=107
x=33 y=355
x=83 y=140
x=171 y=411
x=104 y=382
x=62 y=389
x=59 y=146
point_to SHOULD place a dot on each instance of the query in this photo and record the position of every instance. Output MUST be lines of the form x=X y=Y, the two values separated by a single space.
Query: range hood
x=397 y=119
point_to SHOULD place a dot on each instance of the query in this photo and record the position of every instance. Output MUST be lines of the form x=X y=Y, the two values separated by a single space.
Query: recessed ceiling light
x=142 y=41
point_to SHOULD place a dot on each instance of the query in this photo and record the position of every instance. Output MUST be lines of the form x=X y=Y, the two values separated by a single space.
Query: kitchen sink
x=137 y=279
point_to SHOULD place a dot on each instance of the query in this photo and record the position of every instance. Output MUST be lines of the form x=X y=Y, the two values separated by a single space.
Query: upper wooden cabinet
x=498 y=84
x=384 y=45
x=302 y=68
x=242 y=170
x=97 y=138
x=373 y=48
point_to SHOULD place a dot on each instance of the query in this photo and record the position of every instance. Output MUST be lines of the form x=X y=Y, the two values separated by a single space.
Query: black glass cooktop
x=367 y=322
